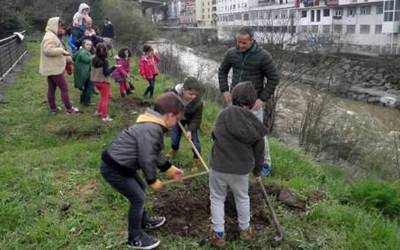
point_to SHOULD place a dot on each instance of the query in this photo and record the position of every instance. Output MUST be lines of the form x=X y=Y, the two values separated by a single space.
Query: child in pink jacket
x=148 y=69
x=121 y=74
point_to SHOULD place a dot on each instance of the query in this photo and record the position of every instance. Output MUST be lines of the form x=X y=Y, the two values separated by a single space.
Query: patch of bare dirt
x=188 y=212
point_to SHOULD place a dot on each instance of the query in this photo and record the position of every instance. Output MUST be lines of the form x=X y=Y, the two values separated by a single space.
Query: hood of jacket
x=83 y=6
x=151 y=116
x=52 y=25
x=243 y=124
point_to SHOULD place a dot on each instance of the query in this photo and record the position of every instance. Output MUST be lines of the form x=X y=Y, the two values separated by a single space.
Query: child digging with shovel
x=238 y=148
x=190 y=91
x=140 y=148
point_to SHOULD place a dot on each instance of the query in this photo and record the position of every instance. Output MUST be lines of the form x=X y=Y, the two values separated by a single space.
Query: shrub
x=376 y=195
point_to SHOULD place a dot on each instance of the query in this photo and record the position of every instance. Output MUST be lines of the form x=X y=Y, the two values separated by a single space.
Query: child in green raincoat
x=82 y=81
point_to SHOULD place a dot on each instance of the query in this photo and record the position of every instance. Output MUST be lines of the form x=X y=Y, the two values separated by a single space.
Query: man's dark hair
x=147 y=48
x=245 y=30
x=244 y=94
x=191 y=83
x=169 y=103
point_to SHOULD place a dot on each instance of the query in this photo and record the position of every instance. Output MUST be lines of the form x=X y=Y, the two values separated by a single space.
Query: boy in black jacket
x=238 y=148
x=140 y=148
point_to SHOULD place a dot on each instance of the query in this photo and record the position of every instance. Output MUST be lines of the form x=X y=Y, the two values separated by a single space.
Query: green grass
x=49 y=161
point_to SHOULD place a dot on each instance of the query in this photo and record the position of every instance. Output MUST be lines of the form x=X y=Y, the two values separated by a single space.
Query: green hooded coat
x=82 y=62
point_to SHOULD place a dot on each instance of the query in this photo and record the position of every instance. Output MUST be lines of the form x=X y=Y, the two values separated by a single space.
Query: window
x=364 y=29
x=337 y=28
x=326 y=12
x=280 y=1
x=350 y=29
x=378 y=29
x=388 y=17
x=318 y=15
x=338 y=12
x=379 y=8
x=283 y=14
x=351 y=11
x=365 y=10
x=312 y=16
x=303 y=13
x=326 y=28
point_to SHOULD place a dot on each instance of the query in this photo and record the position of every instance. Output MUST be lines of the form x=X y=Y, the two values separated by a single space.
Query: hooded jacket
x=193 y=110
x=238 y=142
x=253 y=65
x=79 y=16
x=139 y=147
x=148 y=66
x=52 y=60
x=82 y=65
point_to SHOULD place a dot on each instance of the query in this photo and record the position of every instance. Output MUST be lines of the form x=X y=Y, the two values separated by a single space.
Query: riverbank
x=374 y=80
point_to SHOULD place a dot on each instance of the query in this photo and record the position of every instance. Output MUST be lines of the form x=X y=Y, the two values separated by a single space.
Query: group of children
x=238 y=135
x=237 y=150
x=91 y=71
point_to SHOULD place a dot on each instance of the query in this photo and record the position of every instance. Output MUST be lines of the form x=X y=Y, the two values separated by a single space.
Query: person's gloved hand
x=157 y=185
x=174 y=173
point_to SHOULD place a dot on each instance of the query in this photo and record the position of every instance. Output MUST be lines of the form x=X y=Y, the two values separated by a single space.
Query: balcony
x=332 y=3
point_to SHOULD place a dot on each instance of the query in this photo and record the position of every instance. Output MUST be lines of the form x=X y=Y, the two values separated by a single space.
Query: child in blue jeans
x=190 y=91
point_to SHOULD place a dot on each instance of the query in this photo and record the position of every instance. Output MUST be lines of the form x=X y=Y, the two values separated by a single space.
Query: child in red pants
x=99 y=75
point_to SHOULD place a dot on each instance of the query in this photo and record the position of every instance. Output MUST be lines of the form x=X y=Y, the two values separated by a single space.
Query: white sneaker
x=97 y=114
x=74 y=110
x=107 y=119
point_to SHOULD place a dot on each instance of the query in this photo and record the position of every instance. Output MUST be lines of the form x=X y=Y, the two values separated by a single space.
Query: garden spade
x=193 y=146
x=277 y=240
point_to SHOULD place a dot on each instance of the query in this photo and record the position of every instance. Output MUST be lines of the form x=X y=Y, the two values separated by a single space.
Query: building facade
x=364 y=26
x=203 y=13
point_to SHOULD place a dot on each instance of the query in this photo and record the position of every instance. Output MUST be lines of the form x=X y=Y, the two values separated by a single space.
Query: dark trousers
x=150 y=89
x=87 y=92
x=54 y=82
x=176 y=134
x=133 y=188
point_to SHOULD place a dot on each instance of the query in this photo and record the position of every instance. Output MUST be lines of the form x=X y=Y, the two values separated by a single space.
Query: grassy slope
x=49 y=161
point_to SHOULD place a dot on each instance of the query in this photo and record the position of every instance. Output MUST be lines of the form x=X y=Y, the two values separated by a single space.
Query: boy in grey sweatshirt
x=238 y=148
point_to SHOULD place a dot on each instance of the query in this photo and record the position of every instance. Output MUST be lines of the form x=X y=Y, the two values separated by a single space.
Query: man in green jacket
x=250 y=62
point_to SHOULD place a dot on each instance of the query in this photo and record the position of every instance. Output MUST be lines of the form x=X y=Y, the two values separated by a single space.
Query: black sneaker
x=154 y=222
x=143 y=241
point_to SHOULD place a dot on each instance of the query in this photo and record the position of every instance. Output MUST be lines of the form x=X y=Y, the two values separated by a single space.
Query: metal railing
x=12 y=50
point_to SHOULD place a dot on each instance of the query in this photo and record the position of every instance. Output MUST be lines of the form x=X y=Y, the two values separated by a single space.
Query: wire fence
x=12 y=50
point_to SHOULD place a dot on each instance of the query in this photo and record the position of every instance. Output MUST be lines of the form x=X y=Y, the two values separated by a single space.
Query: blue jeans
x=260 y=116
x=150 y=89
x=176 y=133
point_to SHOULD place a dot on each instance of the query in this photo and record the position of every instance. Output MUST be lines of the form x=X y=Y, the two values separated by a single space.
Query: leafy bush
x=376 y=195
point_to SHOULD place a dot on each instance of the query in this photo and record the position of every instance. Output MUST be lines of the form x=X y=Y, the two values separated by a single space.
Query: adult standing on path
x=108 y=34
x=53 y=59
x=250 y=62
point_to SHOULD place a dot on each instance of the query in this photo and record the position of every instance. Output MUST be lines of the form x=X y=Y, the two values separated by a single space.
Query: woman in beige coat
x=53 y=59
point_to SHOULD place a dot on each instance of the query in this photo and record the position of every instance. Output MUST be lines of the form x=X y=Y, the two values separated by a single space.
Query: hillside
x=53 y=197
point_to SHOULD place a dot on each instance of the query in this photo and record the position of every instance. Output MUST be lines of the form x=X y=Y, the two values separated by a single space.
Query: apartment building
x=203 y=13
x=174 y=12
x=188 y=13
x=365 y=26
